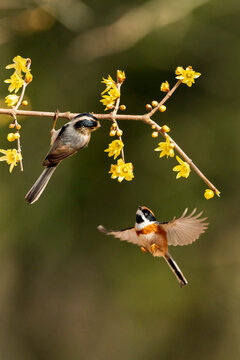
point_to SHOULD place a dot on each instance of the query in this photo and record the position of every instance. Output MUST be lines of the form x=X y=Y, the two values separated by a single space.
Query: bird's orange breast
x=152 y=228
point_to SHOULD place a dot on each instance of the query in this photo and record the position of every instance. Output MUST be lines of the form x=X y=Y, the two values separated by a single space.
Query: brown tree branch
x=143 y=118
x=113 y=116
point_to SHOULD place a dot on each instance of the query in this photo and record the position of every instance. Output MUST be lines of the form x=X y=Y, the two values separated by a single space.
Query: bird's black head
x=86 y=120
x=143 y=214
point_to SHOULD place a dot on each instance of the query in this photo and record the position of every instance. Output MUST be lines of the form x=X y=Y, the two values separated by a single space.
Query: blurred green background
x=68 y=292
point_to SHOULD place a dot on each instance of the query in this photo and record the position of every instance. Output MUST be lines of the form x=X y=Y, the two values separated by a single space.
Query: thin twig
x=166 y=97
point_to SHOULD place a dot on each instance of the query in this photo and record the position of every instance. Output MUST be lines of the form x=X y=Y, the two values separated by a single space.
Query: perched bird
x=154 y=237
x=73 y=136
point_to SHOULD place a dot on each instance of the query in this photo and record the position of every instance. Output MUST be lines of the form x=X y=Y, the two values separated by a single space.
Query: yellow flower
x=114 y=92
x=209 y=194
x=109 y=99
x=164 y=86
x=166 y=148
x=121 y=76
x=115 y=171
x=122 y=171
x=12 y=157
x=11 y=100
x=187 y=76
x=109 y=84
x=115 y=148
x=19 y=64
x=183 y=169
x=15 y=81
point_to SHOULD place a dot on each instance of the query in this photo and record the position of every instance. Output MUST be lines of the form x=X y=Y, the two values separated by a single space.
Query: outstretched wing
x=186 y=229
x=129 y=235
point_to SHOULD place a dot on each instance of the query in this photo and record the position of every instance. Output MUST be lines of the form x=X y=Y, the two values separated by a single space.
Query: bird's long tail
x=175 y=269
x=37 y=189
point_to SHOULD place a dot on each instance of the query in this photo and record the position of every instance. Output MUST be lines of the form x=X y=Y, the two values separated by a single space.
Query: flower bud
x=148 y=107
x=164 y=86
x=25 y=102
x=209 y=194
x=11 y=126
x=154 y=103
x=165 y=128
x=121 y=76
x=28 y=77
x=119 y=132
x=11 y=137
x=122 y=107
x=162 y=108
x=112 y=133
x=18 y=127
x=16 y=136
x=154 y=134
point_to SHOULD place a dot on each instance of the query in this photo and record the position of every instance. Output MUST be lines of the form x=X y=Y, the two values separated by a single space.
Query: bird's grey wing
x=186 y=229
x=129 y=235
x=58 y=152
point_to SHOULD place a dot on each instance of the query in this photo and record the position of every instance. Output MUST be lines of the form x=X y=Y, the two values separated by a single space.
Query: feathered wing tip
x=129 y=234
x=39 y=186
x=186 y=229
x=103 y=229
x=175 y=269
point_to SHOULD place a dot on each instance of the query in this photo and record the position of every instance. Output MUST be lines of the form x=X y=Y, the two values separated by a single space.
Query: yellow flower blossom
x=114 y=92
x=164 y=86
x=108 y=102
x=109 y=82
x=19 y=64
x=109 y=99
x=183 y=169
x=115 y=171
x=11 y=100
x=179 y=70
x=15 y=81
x=122 y=171
x=209 y=194
x=166 y=148
x=115 y=148
x=187 y=76
x=12 y=157
x=121 y=76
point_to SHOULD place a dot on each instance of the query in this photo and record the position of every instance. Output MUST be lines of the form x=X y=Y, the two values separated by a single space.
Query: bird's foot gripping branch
x=122 y=170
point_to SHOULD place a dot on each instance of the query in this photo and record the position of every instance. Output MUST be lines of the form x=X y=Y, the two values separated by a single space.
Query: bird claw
x=144 y=250
x=154 y=247
x=55 y=119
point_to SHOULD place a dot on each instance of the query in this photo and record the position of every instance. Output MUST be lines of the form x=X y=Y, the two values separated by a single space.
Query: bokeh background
x=68 y=292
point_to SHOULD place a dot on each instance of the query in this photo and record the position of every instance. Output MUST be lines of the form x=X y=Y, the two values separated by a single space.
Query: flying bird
x=65 y=142
x=155 y=237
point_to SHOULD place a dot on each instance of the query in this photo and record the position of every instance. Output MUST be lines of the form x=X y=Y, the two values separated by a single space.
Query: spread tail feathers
x=175 y=269
x=37 y=189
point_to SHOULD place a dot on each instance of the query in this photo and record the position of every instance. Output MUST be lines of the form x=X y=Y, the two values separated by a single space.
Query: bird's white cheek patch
x=142 y=225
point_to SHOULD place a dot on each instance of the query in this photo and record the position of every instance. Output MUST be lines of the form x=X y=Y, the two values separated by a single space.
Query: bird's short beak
x=140 y=208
